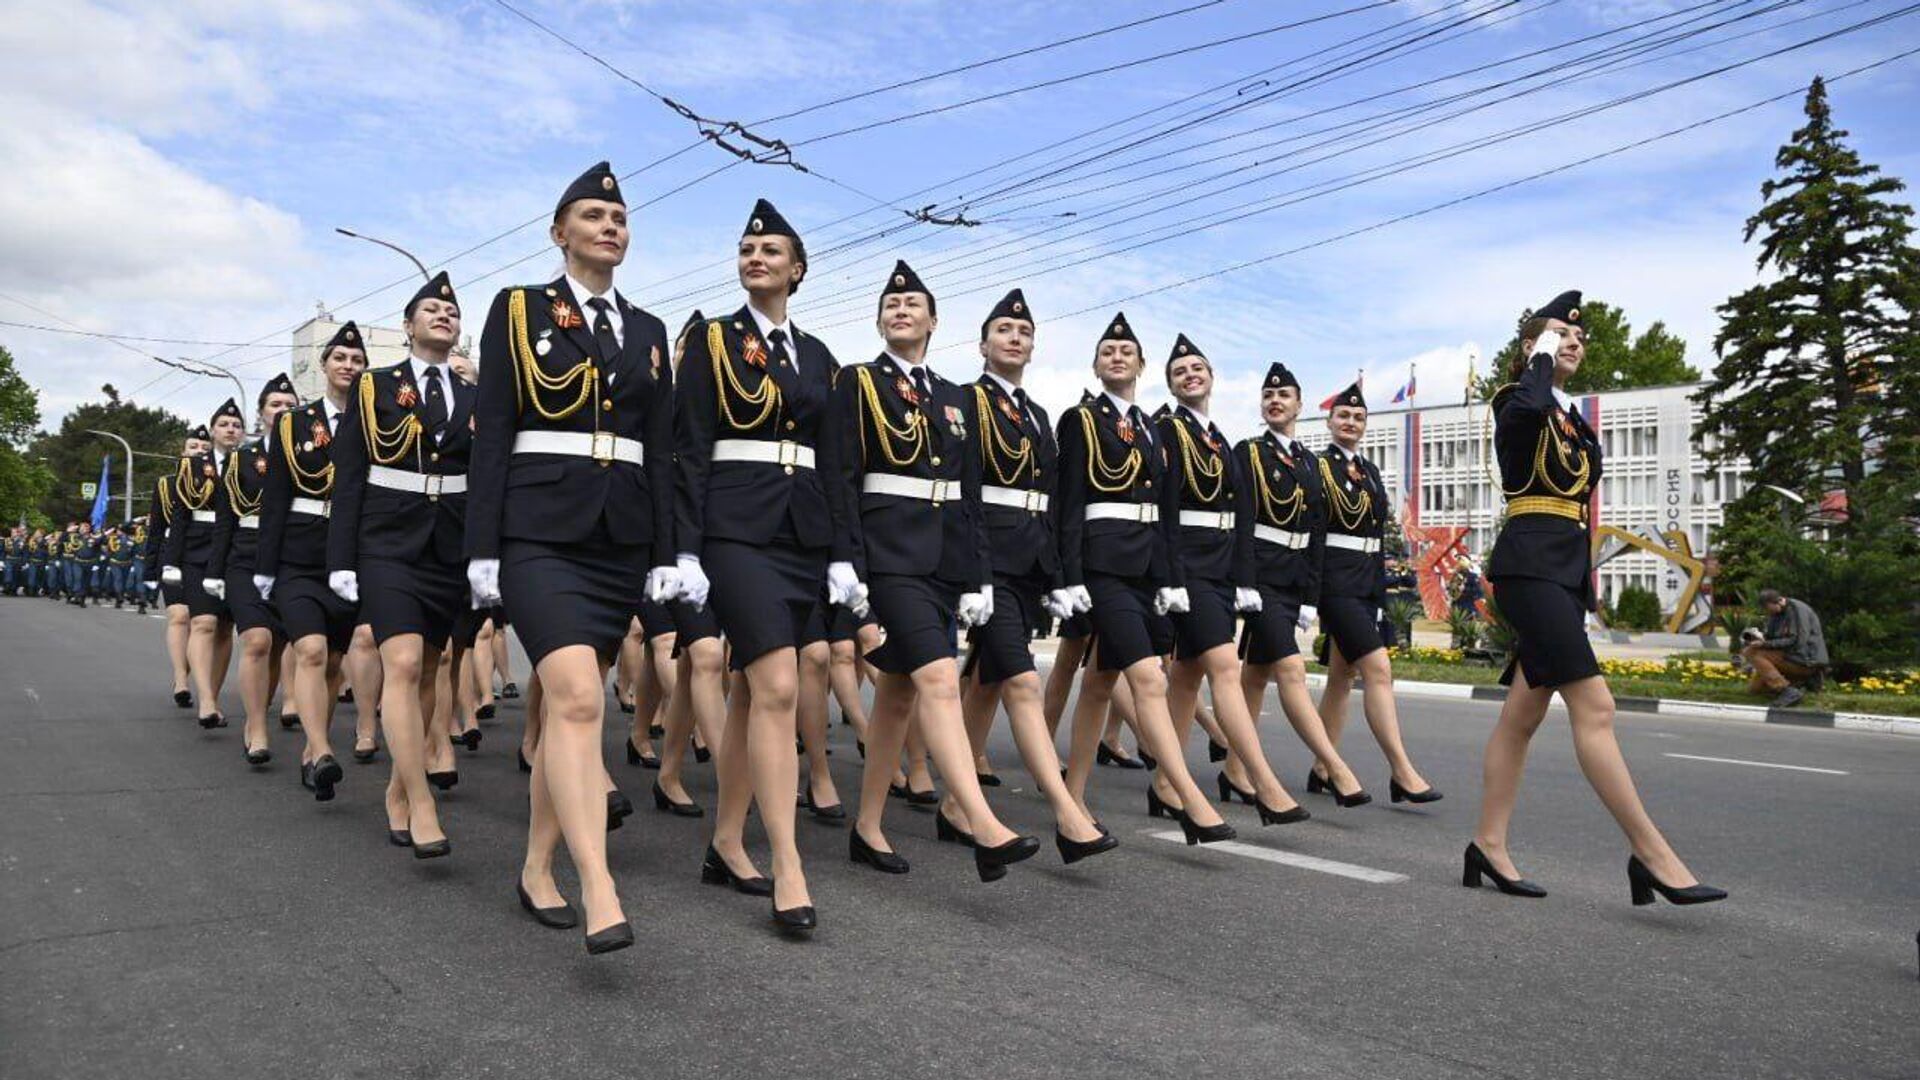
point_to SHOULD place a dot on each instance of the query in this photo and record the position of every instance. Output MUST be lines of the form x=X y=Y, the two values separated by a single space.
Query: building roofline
x=1371 y=413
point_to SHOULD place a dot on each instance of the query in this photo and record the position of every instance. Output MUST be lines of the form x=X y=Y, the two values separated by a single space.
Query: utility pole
x=128 y=447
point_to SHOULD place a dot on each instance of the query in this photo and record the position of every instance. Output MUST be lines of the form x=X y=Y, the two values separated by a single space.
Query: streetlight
x=128 y=447
x=422 y=267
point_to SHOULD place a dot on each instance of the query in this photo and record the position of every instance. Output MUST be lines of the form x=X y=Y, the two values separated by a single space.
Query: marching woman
x=1115 y=556
x=571 y=522
x=910 y=462
x=394 y=540
x=1353 y=588
x=1199 y=502
x=1542 y=571
x=1018 y=461
x=164 y=515
x=236 y=541
x=290 y=567
x=189 y=545
x=1284 y=509
x=758 y=523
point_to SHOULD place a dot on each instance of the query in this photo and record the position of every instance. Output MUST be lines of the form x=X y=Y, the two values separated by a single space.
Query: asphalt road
x=170 y=912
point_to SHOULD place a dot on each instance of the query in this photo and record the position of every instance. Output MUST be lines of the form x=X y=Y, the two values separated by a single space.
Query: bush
x=1465 y=628
x=1638 y=609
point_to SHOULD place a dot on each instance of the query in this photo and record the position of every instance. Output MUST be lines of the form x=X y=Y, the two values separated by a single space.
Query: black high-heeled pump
x=444 y=780
x=859 y=851
x=947 y=832
x=715 y=871
x=663 y=802
x=1072 y=851
x=1228 y=790
x=1644 y=885
x=836 y=812
x=562 y=917
x=1204 y=834
x=613 y=938
x=656 y=730
x=1146 y=760
x=525 y=765
x=700 y=753
x=1400 y=794
x=1296 y=813
x=258 y=757
x=183 y=699
x=795 y=920
x=289 y=721
x=635 y=757
x=326 y=773
x=987 y=779
x=626 y=707
x=992 y=862
x=1216 y=752
x=399 y=838
x=1479 y=866
x=211 y=721
x=1106 y=756
x=1317 y=784
x=483 y=713
x=1158 y=807
x=365 y=754
x=469 y=738
x=433 y=849
x=929 y=797
x=511 y=690
x=619 y=808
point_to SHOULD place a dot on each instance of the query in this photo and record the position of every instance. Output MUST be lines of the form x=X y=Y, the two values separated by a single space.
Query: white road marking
x=1289 y=858
x=1759 y=764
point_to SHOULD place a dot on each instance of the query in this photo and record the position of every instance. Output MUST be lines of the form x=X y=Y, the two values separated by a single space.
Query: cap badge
x=606 y=183
x=756 y=225
x=899 y=279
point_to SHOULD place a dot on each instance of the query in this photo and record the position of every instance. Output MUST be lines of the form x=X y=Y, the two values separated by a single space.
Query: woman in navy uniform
x=571 y=522
x=1284 y=508
x=1213 y=547
x=163 y=514
x=758 y=522
x=1353 y=587
x=236 y=540
x=1542 y=571
x=1115 y=557
x=910 y=463
x=394 y=540
x=196 y=487
x=1018 y=469
x=290 y=564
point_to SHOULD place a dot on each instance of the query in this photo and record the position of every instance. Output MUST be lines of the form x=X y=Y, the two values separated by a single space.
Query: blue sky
x=177 y=170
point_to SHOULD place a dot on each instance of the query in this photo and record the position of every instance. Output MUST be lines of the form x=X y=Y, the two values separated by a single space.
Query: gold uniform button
x=936 y=459
x=433 y=456
x=1149 y=483
x=789 y=425
x=607 y=405
x=788 y=469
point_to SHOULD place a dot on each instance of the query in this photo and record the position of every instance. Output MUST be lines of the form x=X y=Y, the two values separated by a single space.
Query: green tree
x=22 y=480
x=1616 y=359
x=73 y=455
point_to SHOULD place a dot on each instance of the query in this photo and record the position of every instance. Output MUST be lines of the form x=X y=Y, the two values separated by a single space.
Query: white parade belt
x=415 y=483
x=1144 y=513
x=204 y=517
x=315 y=507
x=1207 y=519
x=910 y=487
x=1364 y=544
x=249 y=521
x=1284 y=537
x=601 y=446
x=764 y=451
x=1035 y=502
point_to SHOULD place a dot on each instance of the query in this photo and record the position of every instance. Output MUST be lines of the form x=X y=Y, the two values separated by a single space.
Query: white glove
x=1548 y=342
x=170 y=575
x=663 y=584
x=152 y=586
x=1059 y=604
x=483 y=580
x=263 y=585
x=214 y=587
x=986 y=596
x=1247 y=600
x=345 y=585
x=1171 y=601
x=845 y=588
x=693 y=580
x=1309 y=616
x=1082 y=599
x=975 y=608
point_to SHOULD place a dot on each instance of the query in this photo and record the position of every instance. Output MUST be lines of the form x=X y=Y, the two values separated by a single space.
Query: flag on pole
x=1405 y=393
x=99 y=516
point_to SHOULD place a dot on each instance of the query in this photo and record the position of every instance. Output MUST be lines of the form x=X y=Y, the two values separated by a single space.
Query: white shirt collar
x=1565 y=399
x=907 y=365
x=1118 y=402
x=584 y=294
x=334 y=412
x=1287 y=441
x=768 y=326
x=1353 y=453
x=1004 y=384
x=1199 y=417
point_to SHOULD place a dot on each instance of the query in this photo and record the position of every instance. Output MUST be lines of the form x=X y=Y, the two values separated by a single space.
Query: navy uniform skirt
x=198 y=600
x=306 y=606
x=421 y=596
x=581 y=593
x=691 y=624
x=1549 y=626
x=1208 y=621
x=765 y=596
x=1271 y=634
x=1353 y=624
x=1001 y=649
x=918 y=615
x=1126 y=630
x=243 y=601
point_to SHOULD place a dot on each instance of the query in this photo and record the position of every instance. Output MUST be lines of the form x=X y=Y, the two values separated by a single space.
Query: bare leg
x=1376 y=683
x=363 y=669
x=436 y=706
x=979 y=703
x=1066 y=664
x=1154 y=725
x=733 y=772
x=202 y=655
x=1590 y=704
x=1290 y=677
x=573 y=775
x=480 y=686
x=177 y=631
x=811 y=717
x=771 y=691
x=699 y=702
x=1221 y=666
x=843 y=674
x=256 y=648
x=918 y=776
x=1024 y=699
x=312 y=694
x=1089 y=723
x=893 y=700
x=222 y=655
x=405 y=663
x=502 y=657
x=1333 y=695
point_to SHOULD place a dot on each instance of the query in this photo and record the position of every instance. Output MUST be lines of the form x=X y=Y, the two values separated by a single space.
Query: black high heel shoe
x=483 y=713
x=1072 y=851
x=1400 y=794
x=613 y=938
x=399 y=838
x=326 y=773
x=1479 y=866
x=836 y=812
x=1228 y=790
x=656 y=730
x=992 y=862
x=444 y=780
x=1158 y=807
x=365 y=754
x=715 y=871
x=700 y=753
x=525 y=765
x=859 y=851
x=626 y=707
x=619 y=808
x=559 y=918
x=183 y=699
x=1643 y=885
x=211 y=721
x=289 y=721
x=434 y=849
x=258 y=757
x=987 y=779
x=1317 y=784
x=1204 y=834
x=929 y=797
x=948 y=833
x=511 y=690
x=1281 y=817
x=1146 y=760
x=1216 y=752
x=1107 y=756
x=795 y=920
x=663 y=802
x=469 y=738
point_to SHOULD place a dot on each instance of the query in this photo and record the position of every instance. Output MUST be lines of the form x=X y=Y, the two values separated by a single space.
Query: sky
x=177 y=171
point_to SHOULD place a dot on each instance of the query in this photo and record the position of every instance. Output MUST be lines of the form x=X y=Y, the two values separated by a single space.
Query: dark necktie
x=920 y=386
x=1139 y=421
x=1215 y=439
x=1026 y=417
x=436 y=403
x=778 y=339
x=603 y=328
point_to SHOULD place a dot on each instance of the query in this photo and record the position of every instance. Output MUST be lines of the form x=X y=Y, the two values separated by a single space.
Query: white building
x=1655 y=477
x=384 y=346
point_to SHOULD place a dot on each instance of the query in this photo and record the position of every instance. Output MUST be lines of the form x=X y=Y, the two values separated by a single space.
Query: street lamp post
x=128 y=447
x=418 y=265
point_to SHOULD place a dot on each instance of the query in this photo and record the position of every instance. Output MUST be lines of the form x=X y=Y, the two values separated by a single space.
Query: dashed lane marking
x=1758 y=764
x=1293 y=859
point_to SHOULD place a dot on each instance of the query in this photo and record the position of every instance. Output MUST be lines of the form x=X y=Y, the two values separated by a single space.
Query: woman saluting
x=571 y=505
x=1541 y=567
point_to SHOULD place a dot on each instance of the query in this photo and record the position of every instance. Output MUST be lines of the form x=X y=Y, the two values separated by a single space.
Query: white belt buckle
x=430 y=486
x=603 y=447
x=1036 y=501
x=788 y=453
x=942 y=491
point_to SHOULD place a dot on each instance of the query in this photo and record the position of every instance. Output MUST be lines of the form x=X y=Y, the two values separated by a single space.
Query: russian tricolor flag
x=1405 y=393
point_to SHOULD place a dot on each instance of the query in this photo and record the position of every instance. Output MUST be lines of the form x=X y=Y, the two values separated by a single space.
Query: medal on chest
x=565 y=316
x=260 y=465
x=545 y=345
x=753 y=352
x=956 y=423
x=904 y=387
x=1125 y=430
x=406 y=396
